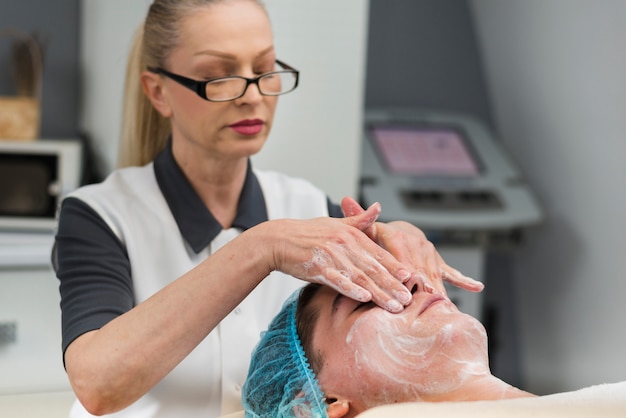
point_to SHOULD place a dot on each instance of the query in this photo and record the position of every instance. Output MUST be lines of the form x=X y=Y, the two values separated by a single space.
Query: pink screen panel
x=425 y=152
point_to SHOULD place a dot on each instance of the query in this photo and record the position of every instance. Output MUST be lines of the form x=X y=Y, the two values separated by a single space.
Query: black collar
x=196 y=223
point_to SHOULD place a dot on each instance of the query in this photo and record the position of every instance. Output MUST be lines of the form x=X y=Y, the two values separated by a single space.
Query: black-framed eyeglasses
x=224 y=89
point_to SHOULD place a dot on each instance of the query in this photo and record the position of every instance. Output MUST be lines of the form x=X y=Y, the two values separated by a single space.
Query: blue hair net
x=280 y=381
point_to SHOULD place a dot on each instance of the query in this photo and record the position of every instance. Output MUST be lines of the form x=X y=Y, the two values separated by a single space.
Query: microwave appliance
x=34 y=177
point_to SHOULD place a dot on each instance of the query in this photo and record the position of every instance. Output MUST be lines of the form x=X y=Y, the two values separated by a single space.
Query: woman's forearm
x=112 y=367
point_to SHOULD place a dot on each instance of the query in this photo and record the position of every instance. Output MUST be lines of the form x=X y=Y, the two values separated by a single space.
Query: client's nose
x=415 y=284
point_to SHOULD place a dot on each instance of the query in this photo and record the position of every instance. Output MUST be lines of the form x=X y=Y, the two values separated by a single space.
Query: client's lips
x=247 y=126
x=429 y=300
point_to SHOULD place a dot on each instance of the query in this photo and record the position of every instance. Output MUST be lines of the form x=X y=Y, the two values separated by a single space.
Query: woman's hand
x=337 y=253
x=409 y=245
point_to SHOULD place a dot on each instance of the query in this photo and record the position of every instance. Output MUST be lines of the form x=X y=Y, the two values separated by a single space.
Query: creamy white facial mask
x=416 y=356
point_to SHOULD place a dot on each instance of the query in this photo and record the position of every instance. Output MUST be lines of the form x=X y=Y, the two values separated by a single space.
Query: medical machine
x=447 y=175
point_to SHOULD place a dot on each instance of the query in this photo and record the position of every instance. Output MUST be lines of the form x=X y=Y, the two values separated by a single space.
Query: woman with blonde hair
x=171 y=267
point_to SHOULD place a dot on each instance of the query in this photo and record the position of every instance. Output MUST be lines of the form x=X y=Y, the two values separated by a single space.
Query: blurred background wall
x=556 y=72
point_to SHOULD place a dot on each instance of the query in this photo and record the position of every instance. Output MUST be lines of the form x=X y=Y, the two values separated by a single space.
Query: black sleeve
x=334 y=210
x=93 y=268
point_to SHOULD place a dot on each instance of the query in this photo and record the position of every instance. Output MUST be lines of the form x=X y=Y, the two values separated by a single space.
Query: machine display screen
x=425 y=151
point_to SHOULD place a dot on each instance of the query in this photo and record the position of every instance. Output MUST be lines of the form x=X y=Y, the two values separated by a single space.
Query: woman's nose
x=252 y=94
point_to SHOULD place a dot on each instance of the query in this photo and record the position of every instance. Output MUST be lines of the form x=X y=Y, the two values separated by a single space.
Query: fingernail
x=394 y=306
x=360 y=294
x=403 y=275
x=475 y=282
x=404 y=297
x=366 y=295
x=376 y=206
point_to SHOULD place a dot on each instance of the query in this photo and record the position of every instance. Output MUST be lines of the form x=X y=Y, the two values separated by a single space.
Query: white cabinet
x=30 y=318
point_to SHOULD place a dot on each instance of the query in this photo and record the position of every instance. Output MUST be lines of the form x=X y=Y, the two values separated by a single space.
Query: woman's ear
x=337 y=408
x=153 y=88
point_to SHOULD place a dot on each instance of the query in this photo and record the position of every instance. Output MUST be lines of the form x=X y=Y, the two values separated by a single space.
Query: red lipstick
x=247 y=126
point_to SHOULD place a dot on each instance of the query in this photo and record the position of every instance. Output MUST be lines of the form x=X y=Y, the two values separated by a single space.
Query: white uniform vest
x=208 y=382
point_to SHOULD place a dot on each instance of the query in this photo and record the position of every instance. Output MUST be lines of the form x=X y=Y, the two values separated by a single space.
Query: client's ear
x=337 y=408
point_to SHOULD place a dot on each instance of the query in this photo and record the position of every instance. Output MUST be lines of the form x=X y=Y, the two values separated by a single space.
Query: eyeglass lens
x=270 y=84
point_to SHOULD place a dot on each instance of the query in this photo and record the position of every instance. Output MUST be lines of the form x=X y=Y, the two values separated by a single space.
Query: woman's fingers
x=356 y=289
x=360 y=218
x=363 y=259
x=336 y=253
x=351 y=207
x=363 y=265
x=456 y=278
x=409 y=245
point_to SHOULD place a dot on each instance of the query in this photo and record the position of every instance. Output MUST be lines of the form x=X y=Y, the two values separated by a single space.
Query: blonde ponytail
x=144 y=130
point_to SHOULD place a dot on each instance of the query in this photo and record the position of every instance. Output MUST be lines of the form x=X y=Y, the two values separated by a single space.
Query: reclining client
x=326 y=355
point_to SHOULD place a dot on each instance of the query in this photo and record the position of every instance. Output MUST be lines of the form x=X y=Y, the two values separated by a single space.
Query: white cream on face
x=403 y=357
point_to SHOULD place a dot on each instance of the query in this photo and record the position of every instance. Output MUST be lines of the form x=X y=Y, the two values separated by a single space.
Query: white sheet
x=606 y=401
x=600 y=401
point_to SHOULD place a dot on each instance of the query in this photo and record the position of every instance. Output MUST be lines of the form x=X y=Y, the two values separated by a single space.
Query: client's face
x=372 y=357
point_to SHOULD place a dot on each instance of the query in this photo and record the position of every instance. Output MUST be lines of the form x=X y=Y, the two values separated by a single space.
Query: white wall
x=556 y=70
x=106 y=31
x=317 y=130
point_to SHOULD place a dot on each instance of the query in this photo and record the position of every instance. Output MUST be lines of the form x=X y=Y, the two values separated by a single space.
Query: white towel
x=600 y=401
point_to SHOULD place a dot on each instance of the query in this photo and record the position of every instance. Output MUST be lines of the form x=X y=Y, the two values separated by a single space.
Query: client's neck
x=483 y=388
